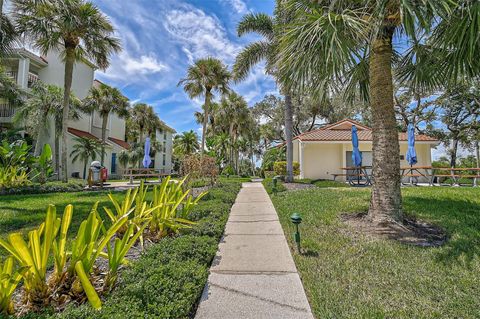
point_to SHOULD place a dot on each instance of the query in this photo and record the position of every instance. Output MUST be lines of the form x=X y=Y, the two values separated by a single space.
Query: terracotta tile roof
x=81 y=133
x=119 y=142
x=338 y=132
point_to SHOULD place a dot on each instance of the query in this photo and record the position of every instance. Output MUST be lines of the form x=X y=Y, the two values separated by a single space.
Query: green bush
x=269 y=174
x=280 y=168
x=49 y=187
x=228 y=170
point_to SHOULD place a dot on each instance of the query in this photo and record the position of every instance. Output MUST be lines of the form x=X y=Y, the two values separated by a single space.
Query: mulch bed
x=411 y=231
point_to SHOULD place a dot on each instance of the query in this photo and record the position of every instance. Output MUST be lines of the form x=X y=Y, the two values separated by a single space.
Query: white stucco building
x=26 y=67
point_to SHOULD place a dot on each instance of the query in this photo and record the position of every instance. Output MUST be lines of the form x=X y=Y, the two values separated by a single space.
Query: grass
x=351 y=276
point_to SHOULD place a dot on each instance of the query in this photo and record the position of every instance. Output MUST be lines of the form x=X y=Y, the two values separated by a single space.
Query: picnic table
x=144 y=173
x=456 y=174
x=356 y=176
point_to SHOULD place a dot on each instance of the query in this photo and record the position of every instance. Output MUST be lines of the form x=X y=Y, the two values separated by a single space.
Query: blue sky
x=161 y=38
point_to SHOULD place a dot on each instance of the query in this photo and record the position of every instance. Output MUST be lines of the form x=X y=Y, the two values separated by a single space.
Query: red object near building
x=104 y=174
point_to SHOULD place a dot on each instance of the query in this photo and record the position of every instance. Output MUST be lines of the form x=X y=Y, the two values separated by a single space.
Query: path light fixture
x=275 y=183
x=296 y=219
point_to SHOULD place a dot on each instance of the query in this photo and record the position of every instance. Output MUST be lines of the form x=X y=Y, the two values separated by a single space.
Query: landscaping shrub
x=280 y=168
x=228 y=170
x=49 y=187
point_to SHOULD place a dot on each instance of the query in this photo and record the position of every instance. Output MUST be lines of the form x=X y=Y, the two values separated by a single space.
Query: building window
x=113 y=169
x=164 y=147
x=165 y=136
x=164 y=160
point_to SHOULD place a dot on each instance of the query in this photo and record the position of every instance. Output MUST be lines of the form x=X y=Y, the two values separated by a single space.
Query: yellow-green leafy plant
x=59 y=247
x=116 y=253
x=9 y=280
x=138 y=214
x=34 y=257
x=92 y=238
x=168 y=201
x=122 y=208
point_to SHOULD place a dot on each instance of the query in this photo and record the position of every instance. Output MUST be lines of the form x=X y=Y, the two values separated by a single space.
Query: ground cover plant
x=208 y=218
x=348 y=274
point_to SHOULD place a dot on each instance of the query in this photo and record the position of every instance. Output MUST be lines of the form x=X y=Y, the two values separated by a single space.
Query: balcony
x=6 y=112
x=31 y=79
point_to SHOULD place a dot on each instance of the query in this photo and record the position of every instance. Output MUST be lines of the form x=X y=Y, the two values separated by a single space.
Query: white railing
x=6 y=110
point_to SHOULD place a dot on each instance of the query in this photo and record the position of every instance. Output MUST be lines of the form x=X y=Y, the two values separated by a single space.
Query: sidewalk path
x=253 y=275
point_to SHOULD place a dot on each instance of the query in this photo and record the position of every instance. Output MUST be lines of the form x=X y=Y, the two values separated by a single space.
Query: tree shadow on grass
x=459 y=218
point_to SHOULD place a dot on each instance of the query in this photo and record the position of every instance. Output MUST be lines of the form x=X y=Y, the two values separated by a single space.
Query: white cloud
x=199 y=34
x=239 y=5
x=124 y=66
x=144 y=65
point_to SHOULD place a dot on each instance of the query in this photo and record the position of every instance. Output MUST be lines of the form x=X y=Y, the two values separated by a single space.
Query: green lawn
x=348 y=276
x=21 y=213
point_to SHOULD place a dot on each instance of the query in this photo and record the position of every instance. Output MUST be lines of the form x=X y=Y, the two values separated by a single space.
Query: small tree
x=84 y=150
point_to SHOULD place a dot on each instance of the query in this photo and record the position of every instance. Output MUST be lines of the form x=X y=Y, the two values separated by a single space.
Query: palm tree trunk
x=104 y=136
x=39 y=141
x=57 y=155
x=69 y=62
x=206 y=107
x=386 y=198
x=288 y=135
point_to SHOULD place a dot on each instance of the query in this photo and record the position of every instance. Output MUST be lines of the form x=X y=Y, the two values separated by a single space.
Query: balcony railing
x=31 y=79
x=6 y=110
x=13 y=75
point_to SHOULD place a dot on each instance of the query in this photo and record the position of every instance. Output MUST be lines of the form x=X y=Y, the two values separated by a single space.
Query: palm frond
x=260 y=23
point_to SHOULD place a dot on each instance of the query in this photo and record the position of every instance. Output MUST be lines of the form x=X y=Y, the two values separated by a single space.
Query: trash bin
x=95 y=167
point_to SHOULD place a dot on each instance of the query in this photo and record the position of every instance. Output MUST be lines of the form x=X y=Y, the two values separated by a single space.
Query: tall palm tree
x=106 y=100
x=84 y=150
x=265 y=50
x=205 y=77
x=186 y=143
x=143 y=120
x=331 y=42
x=78 y=30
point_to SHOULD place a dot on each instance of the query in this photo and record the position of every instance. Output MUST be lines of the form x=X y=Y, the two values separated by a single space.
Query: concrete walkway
x=253 y=275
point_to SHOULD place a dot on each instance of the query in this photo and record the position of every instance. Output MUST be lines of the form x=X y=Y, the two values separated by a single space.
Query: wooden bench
x=144 y=173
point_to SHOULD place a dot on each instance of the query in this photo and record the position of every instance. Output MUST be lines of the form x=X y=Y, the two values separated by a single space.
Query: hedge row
x=168 y=279
x=49 y=187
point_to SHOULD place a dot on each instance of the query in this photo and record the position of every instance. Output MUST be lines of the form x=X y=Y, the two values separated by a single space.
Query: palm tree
x=186 y=143
x=205 y=77
x=35 y=113
x=8 y=33
x=9 y=90
x=78 y=30
x=329 y=43
x=106 y=100
x=265 y=50
x=143 y=120
x=84 y=150
x=124 y=158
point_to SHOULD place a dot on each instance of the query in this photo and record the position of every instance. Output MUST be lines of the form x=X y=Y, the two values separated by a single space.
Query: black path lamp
x=296 y=219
